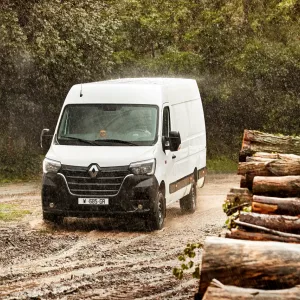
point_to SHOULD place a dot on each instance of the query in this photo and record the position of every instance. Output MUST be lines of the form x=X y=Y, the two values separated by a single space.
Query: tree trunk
x=247 y=182
x=272 y=205
x=275 y=222
x=258 y=236
x=265 y=155
x=285 y=186
x=217 y=290
x=239 y=196
x=255 y=141
x=268 y=167
x=272 y=156
x=254 y=168
x=271 y=265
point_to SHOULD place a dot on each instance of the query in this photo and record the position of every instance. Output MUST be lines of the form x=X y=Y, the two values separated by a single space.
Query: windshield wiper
x=116 y=141
x=77 y=139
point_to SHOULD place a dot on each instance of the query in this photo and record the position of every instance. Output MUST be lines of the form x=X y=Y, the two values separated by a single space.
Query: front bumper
x=135 y=190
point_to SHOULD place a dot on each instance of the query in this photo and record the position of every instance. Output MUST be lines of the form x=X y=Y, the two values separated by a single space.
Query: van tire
x=188 y=203
x=156 y=218
x=53 y=218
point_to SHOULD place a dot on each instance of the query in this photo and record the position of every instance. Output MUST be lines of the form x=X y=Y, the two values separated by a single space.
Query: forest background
x=244 y=54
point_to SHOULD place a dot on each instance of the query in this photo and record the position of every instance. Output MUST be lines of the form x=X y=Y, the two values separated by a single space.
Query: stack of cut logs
x=270 y=183
x=254 y=261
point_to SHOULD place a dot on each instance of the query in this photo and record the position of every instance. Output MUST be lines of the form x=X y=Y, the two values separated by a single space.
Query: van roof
x=135 y=90
x=147 y=81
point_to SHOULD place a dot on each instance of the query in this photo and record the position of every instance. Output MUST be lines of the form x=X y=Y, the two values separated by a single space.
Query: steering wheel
x=138 y=130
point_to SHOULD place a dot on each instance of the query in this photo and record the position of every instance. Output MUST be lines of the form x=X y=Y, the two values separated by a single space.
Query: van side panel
x=179 y=122
x=188 y=118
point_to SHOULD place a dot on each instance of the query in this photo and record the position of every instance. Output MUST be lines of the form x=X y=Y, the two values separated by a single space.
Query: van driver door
x=169 y=156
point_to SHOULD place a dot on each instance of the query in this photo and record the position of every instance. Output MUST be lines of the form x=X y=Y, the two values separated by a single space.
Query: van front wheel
x=156 y=217
x=188 y=203
x=53 y=218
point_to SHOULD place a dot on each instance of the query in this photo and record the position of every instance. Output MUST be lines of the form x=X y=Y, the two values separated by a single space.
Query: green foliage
x=187 y=261
x=233 y=212
x=19 y=165
x=245 y=56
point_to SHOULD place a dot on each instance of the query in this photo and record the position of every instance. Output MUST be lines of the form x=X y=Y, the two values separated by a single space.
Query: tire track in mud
x=103 y=262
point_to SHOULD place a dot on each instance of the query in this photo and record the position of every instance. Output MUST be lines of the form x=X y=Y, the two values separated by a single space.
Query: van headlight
x=51 y=166
x=146 y=167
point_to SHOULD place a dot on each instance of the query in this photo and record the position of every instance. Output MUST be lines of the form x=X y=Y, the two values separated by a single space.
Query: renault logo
x=93 y=171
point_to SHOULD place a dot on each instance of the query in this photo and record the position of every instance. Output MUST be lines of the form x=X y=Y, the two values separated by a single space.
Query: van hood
x=104 y=156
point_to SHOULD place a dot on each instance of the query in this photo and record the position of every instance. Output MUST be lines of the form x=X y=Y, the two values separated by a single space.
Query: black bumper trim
x=136 y=196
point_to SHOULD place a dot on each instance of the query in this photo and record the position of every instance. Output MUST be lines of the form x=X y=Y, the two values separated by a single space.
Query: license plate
x=93 y=201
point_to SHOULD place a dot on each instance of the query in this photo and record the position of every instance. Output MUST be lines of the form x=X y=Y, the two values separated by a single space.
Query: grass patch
x=222 y=164
x=11 y=212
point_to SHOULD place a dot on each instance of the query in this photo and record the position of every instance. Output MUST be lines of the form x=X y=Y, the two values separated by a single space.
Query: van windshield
x=108 y=125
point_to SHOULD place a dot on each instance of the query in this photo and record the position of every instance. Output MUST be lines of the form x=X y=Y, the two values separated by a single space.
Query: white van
x=126 y=147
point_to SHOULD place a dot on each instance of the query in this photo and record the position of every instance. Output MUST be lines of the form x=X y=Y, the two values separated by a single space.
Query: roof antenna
x=81 y=91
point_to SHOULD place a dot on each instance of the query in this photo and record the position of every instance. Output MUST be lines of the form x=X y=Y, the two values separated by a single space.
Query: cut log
x=264 y=265
x=276 y=222
x=217 y=290
x=285 y=186
x=284 y=167
x=271 y=156
x=243 y=183
x=255 y=168
x=258 y=159
x=240 y=234
x=268 y=230
x=265 y=155
x=236 y=199
x=256 y=141
x=273 y=205
x=239 y=195
x=247 y=182
x=275 y=167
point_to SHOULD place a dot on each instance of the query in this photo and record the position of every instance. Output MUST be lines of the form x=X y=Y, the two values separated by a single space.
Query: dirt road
x=102 y=259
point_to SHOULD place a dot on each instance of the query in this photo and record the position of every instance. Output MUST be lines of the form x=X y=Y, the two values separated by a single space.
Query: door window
x=166 y=128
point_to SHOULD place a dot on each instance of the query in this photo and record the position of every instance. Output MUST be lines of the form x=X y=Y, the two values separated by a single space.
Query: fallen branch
x=272 y=231
x=237 y=233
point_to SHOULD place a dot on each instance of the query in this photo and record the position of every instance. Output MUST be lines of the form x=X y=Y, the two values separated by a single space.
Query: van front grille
x=107 y=182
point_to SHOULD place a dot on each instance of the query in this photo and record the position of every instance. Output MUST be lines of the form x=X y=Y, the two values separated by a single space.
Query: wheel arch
x=162 y=188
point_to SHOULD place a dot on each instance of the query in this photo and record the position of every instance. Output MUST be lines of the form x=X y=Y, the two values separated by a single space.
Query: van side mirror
x=45 y=139
x=175 y=140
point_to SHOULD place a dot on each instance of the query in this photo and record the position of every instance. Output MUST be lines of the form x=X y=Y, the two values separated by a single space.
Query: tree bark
x=258 y=236
x=271 y=265
x=217 y=290
x=271 y=156
x=255 y=168
x=285 y=186
x=268 y=167
x=256 y=141
x=239 y=196
x=247 y=182
x=275 y=222
x=273 y=205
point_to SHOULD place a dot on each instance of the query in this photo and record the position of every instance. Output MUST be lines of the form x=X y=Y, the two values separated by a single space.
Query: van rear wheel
x=156 y=218
x=188 y=203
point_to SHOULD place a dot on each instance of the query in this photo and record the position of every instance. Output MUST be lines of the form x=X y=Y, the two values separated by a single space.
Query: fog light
x=51 y=205
x=140 y=206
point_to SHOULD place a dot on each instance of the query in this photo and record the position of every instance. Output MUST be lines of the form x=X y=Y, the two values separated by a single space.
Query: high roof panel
x=146 y=81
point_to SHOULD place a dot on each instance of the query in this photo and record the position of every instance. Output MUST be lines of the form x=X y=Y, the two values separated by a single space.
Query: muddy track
x=102 y=258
